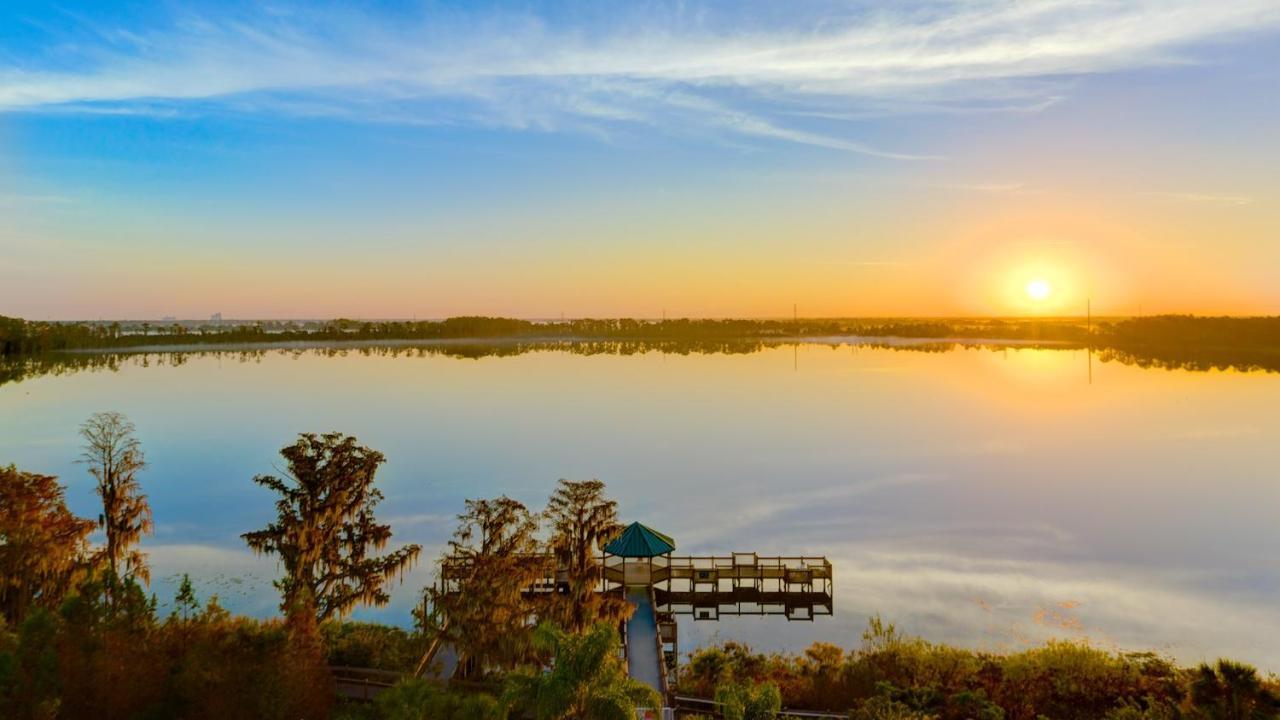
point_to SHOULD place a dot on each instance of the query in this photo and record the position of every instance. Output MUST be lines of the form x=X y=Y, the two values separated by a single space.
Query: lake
x=991 y=497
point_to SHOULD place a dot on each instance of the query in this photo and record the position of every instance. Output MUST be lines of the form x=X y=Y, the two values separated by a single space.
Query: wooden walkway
x=643 y=644
x=364 y=684
x=799 y=587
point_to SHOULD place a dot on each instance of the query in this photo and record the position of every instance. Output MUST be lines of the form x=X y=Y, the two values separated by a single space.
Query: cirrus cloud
x=675 y=70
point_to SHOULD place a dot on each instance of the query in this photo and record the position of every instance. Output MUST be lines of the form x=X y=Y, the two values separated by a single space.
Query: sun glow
x=1039 y=289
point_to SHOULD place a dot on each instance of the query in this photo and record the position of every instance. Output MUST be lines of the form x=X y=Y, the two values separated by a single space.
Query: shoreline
x=896 y=340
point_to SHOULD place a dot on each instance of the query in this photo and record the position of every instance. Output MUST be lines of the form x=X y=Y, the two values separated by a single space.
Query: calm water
x=990 y=498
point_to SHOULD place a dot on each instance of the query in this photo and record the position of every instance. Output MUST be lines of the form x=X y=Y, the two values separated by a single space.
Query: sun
x=1039 y=289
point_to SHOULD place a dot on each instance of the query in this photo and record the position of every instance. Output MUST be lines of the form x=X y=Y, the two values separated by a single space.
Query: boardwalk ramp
x=644 y=658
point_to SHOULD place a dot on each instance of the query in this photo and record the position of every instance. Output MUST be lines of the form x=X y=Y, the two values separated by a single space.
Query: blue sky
x=718 y=158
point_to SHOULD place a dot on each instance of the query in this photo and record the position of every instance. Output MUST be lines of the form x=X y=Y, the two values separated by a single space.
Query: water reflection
x=976 y=493
x=1164 y=358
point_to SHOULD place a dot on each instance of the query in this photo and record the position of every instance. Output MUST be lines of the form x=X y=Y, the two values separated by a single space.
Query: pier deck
x=707 y=587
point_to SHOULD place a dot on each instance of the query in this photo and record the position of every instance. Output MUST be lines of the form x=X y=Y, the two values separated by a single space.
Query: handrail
x=362 y=683
x=425 y=662
x=352 y=672
x=662 y=659
x=683 y=561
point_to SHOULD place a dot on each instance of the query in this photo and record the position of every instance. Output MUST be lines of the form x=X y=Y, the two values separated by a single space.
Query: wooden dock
x=702 y=587
x=640 y=562
x=797 y=587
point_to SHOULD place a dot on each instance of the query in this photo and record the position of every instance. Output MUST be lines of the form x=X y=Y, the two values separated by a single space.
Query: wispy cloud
x=1014 y=604
x=1217 y=433
x=747 y=512
x=795 y=79
x=870 y=263
x=993 y=188
x=1210 y=199
x=1042 y=243
x=17 y=200
x=439 y=519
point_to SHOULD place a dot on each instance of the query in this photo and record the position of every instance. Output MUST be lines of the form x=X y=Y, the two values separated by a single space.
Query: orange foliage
x=44 y=544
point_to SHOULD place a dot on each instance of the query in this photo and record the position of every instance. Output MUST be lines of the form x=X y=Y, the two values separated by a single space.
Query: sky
x=427 y=159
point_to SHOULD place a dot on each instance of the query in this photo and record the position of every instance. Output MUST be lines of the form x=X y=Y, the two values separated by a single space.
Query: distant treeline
x=23 y=337
x=1261 y=333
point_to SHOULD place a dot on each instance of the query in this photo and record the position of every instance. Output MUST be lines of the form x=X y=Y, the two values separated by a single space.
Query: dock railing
x=356 y=683
x=780 y=573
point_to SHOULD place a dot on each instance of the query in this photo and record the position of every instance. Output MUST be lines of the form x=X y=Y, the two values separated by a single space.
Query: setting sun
x=1039 y=289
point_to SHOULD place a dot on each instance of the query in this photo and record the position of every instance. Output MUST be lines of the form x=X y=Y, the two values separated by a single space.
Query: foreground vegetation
x=80 y=637
x=896 y=676
x=115 y=659
x=87 y=660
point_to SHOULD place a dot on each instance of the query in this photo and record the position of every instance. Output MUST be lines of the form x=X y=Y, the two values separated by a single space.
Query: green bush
x=894 y=675
x=369 y=645
x=413 y=699
x=743 y=701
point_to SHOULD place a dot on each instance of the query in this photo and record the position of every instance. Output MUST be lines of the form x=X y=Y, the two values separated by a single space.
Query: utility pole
x=795 y=348
x=1088 y=313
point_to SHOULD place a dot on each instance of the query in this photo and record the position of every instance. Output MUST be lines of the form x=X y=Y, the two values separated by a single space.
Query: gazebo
x=638 y=545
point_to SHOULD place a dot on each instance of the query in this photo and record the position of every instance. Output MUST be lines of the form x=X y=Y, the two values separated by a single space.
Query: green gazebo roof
x=640 y=541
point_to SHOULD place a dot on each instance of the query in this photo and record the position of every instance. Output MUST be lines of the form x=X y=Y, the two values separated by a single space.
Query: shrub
x=413 y=699
x=894 y=675
x=369 y=645
x=741 y=701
